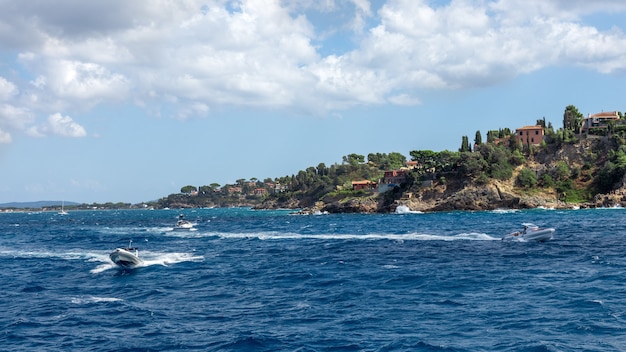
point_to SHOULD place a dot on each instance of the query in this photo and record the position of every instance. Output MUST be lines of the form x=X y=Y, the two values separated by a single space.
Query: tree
x=189 y=189
x=375 y=158
x=465 y=147
x=426 y=159
x=395 y=160
x=473 y=165
x=353 y=159
x=542 y=122
x=478 y=140
x=322 y=169
x=572 y=119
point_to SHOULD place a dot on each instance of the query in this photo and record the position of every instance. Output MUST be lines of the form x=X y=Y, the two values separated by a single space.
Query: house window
x=532 y=140
x=536 y=132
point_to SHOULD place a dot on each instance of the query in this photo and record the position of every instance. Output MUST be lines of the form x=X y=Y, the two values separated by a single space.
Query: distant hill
x=37 y=205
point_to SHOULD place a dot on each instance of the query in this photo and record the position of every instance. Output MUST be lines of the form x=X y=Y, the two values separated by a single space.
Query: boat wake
x=149 y=259
x=372 y=237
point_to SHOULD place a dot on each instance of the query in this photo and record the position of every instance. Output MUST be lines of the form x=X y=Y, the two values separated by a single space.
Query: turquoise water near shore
x=270 y=280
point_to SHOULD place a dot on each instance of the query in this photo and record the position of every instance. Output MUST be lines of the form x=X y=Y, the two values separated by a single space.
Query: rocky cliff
x=463 y=194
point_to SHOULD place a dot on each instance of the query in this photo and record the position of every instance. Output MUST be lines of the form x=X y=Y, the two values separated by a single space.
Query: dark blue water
x=267 y=281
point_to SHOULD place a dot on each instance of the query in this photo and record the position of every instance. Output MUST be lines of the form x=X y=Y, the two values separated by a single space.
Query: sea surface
x=246 y=280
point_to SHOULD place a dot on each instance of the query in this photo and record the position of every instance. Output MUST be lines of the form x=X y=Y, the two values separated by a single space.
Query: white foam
x=403 y=209
x=170 y=258
x=103 y=267
x=504 y=211
x=370 y=237
x=94 y=299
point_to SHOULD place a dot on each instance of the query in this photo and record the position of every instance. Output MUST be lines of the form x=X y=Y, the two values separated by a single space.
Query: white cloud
x=14 y=117
x=5 y=137
x=469 y=43
x=404 y=99
x=58 y=125
x=200 y=54
x=85 y=81
x=7 y=89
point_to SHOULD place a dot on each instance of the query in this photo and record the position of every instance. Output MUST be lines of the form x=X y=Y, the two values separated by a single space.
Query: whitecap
x=94 y=299
x=403 y=209
x=504 y=211
x=170 y=258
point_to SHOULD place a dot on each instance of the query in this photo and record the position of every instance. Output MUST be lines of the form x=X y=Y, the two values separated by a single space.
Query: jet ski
x=531 y=232
x=126 y=257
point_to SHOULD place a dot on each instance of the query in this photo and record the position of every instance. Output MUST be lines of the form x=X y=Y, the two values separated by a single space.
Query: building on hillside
x=280 y=188
x=502 y=141
x=260 y=192
x=394 y=176
x=599 y=120
x=364 y=185
x=234 y=190
x=411 y=164
x=529 y=135
x=392 y=179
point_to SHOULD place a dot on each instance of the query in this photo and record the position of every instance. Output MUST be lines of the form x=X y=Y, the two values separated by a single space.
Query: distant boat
x=63 y=212
x=531 y=232
x=182 y=224
x=127 y=258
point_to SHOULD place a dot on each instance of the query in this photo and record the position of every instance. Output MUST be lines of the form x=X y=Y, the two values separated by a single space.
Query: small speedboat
x=126 y=257
x=182 y=224
x=531 y=232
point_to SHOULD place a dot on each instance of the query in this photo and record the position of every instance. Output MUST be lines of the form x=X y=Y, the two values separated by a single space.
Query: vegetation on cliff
x=569 y=166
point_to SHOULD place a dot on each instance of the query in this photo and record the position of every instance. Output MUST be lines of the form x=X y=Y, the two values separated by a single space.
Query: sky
x=129 y=101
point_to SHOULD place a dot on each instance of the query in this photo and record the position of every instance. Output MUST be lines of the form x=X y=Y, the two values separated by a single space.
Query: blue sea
x=246 y=280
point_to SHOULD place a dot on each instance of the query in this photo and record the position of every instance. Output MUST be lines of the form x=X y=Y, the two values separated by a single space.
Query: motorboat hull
x=125 y=258
x=538 y=234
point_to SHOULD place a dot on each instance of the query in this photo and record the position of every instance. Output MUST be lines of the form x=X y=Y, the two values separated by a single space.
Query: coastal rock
x=451 y=196
x=289 y=203
x=354 y=205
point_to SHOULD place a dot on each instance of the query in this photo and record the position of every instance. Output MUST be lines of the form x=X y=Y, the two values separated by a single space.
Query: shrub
x=501 y=171
x=547 y=181
x=527 y=178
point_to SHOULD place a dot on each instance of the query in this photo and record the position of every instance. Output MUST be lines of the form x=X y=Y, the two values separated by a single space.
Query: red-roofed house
x=358 y=185
x=260 y=191
x=529 y=135
x=599 y=120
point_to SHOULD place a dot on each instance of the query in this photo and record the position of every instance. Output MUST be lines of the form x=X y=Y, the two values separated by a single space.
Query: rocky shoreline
x=466 y=198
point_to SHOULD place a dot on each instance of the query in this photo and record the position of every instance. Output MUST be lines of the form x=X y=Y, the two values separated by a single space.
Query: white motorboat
x=531 y=232
x=126 y=257
x=182 y=224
